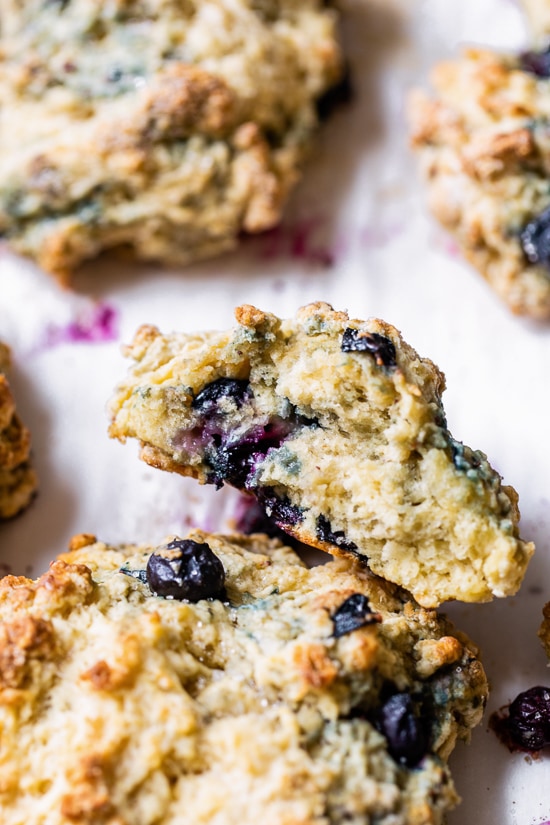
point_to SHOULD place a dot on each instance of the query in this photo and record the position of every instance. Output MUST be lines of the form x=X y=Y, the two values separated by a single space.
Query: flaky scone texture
x=337 y=426
x=167 y=127
x=482 y=139
x=119 y=707
x=18 y=480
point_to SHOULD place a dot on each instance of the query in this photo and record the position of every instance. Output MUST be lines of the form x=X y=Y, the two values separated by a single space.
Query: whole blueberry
x=535 y=239
x=405 y=731
x=529 y=718
x=380 y=347
x=353 y=613
x=186 y=569
x=206 y=402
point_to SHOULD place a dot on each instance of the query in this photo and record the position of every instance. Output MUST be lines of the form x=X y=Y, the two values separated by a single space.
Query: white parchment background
x=356 y=234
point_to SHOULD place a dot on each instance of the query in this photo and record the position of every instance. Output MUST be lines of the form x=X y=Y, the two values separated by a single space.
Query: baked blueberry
x=186 y=570
x=206 y=402
x=536 y=62
x=352 y=614
x=337 y=537
x=535 y=239
x=529 y=718
x=405 y=731
x=383 y=350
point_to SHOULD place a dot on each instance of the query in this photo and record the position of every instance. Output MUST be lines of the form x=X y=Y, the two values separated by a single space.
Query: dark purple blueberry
x=206 y=401
x=352 y=614
x=405 y=731
x=339 y=94
x=535 y=239
x=529 y=718
x=234 y=462
x=536 y=62
x=337 y=537
x=383 y=350
x=186 y=570
x=282 y=512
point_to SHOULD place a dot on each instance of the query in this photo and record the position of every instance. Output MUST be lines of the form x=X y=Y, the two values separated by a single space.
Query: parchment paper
x=356 y=234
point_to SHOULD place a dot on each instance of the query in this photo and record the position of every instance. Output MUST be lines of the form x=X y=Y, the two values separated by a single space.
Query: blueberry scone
x=482 y=138
x=337 y=427
x=218 y=679
x=165 y=127
x=17 y=477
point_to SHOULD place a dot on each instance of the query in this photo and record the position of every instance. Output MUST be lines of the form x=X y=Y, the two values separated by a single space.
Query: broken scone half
x=220 y=677
x=337 y=427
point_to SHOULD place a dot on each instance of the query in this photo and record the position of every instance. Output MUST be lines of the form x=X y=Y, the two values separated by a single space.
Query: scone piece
x=337 y=427
x=294 y=695
x=483 y=144
x=167 y=127
x=17 y=478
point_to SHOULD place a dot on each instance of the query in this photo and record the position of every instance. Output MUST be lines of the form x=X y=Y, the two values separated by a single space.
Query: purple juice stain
x=99 y=326
x=298 y=242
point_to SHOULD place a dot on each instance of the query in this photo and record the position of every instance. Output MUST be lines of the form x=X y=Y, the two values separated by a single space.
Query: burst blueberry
x=206 y=402
x=186 y=569
x=282 y=512
x=380 y=347
x=352 y=614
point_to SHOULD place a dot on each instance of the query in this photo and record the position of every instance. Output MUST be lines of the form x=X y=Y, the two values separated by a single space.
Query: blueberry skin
x=190 y=571
x=353 y=613
x=535 y=239
x=206 y=401
x=536 y=62
x=406 y=732
x=381 y=348
x=529 y=718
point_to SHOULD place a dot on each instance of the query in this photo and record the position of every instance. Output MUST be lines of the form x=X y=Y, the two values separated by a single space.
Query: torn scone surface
x=276 y=693
x=337 y=427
